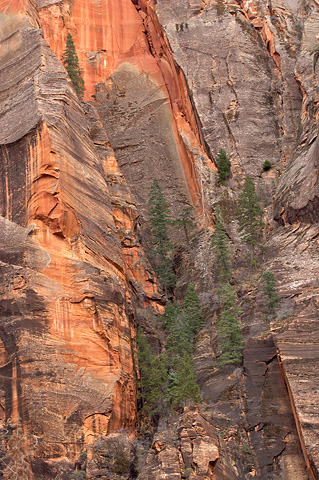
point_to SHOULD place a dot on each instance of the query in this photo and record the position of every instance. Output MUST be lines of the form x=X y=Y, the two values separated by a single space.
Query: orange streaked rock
x=108 y=34
x=65 y=298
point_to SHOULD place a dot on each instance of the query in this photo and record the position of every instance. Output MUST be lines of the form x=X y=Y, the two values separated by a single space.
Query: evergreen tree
x=71 y=62
x=249 y=213
x=179 y=339
x=223 y=167
x=171 y=313
x=184 y=220
x=192 y=310
x=154 y=377
x=270 y=291
x=183 y=387
x=229 y=331
x=220 y=244
x=159 y=219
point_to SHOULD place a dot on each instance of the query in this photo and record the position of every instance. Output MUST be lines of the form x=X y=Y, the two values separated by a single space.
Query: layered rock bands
x=167 y=84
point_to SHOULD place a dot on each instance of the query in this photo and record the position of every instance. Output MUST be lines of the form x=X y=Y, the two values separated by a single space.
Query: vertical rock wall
x=68 y=258
x=169 y=84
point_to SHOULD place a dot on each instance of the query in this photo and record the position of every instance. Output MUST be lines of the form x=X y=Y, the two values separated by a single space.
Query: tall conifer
x=159 y=219
x=183 y=386
x=220 y=242
x=154 y=377
x=192 y=310
x=270 y=291
x=250 y=214
x=229 y=331
x=71 y=62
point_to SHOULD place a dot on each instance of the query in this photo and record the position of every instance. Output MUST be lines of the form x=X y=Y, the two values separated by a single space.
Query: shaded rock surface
x=169 y=84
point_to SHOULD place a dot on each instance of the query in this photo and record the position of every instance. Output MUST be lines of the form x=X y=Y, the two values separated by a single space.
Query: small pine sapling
x=267 y=165
x=223 y=166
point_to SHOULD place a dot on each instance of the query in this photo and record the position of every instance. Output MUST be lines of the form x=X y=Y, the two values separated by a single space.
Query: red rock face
x=108 y=34
x=75 y=178
x=68 y=323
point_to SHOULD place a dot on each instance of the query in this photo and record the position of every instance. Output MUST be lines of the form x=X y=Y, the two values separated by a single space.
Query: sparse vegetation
x=270 y=291
x=184 y=220
x=78 y=475
x=223 y=167
x=246 y=449
x=229 y=330
x=159 y=220
x=267 y=165
x=250 y=217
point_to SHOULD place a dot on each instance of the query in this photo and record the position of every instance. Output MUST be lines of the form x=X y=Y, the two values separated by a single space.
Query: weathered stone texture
x=67 y=319
x=271 y=426
x=138 y=89
x=169 y=84
x=188 y=447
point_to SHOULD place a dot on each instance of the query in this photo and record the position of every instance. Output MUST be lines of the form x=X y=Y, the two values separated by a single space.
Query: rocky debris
x=111 y=457
x=187 y=447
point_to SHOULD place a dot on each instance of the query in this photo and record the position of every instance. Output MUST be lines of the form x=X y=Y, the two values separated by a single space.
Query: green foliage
x=223 y=167
x=71 y=62
x=270 y=291
x=186 y=472
x=168 y=380
x=159 y=219
x=78 y=475
x=250 y=214
x=221 y=249
x=229 y=331
x=178 y=340
x=267 y=165
x=194 y=319
x=153 y=383
x=184 y=221
x=170 y=315
x=246 y=449
x=183 y=385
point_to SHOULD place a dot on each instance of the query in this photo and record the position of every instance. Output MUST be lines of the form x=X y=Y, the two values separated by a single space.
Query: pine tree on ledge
x=71 y=62
x=223 y=167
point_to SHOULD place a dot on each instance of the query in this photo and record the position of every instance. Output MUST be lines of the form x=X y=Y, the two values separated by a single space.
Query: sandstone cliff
x=167 y=84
